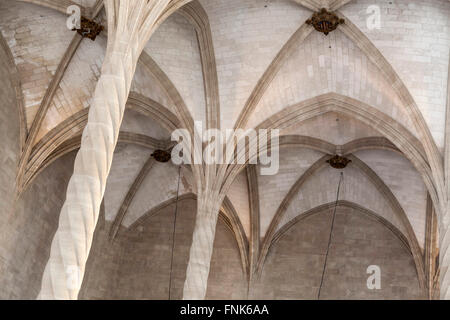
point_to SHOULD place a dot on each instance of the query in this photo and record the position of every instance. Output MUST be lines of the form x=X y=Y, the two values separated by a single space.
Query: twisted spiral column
x=72 y=242
x=197 y=272
x=130 y=25
x=444 y=256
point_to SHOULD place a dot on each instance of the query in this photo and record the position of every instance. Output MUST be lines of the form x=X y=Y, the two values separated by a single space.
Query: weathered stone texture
x=129 y=159
x=146 y=84
x=102 y=266
x=414 y=37
x=9 y=133
x=293 y=268
x=9 y=157
x=25 y=237
x=77 y=86
x=227 y=280
x=137 y=264
x=294 y=161
x=145 y=268
x=322 y=187
x=38 y=38
x=238 y=195
x=334 y=128
x=162 y=180
x=247 y=36
x=174 y=47
x=404 y=182
x=135 y=122
x=332 y=63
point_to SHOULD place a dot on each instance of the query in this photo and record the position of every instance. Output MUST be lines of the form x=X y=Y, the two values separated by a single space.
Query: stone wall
x=137 y=264
x=247 y=35
x=226 y=278
x=38 y=38
x=145 y=264
x=413 y=37
x=9 y=150
x=174 y=47
x=26 y=236
x=102 y=265
x=294 y=265
x=10 y=136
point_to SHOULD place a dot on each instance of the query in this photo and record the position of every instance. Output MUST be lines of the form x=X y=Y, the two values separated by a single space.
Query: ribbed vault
x=251 y=64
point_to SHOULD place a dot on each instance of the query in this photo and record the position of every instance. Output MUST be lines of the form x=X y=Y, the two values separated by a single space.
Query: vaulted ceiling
x=377 y=95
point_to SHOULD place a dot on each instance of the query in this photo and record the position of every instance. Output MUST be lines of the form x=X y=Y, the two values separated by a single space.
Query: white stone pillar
x=444 y=257
x=444 y=222
x=197 y=273
x=129 y=26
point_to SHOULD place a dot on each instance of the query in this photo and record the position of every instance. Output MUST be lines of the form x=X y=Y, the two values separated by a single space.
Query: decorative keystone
x=325 y=21
x=339 y=162
x=89 y=28
x=161 y=156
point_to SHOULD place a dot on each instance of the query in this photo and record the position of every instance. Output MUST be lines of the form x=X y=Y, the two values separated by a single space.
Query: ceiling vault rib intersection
x=44 y=106
x=241 y=238
x=65 y=61
x=315 y=5
x=433 y=155
x=380 y=186
x=332 y=102
x=424 y=155
x=390 y=128
x=337 y=4
x=263 y=83
x=398 y=209
x=353 y=34
x=74 y=142
x=50 y=92
x=309 y=4
x=134 y=188
x=344 y=204
x=197 y=16
x=74 y=125
x=183 y=114
x=368 y=143
x=271 y=231
x=227 y=214
x=434 y=182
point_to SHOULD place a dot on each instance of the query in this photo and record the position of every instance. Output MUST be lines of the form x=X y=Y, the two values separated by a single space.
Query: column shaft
x=444 y=257
x=70 y=248
x=197 y=272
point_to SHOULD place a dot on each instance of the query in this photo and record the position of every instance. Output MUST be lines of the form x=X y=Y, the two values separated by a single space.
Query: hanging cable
x=173 y=234
x=331 y=234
